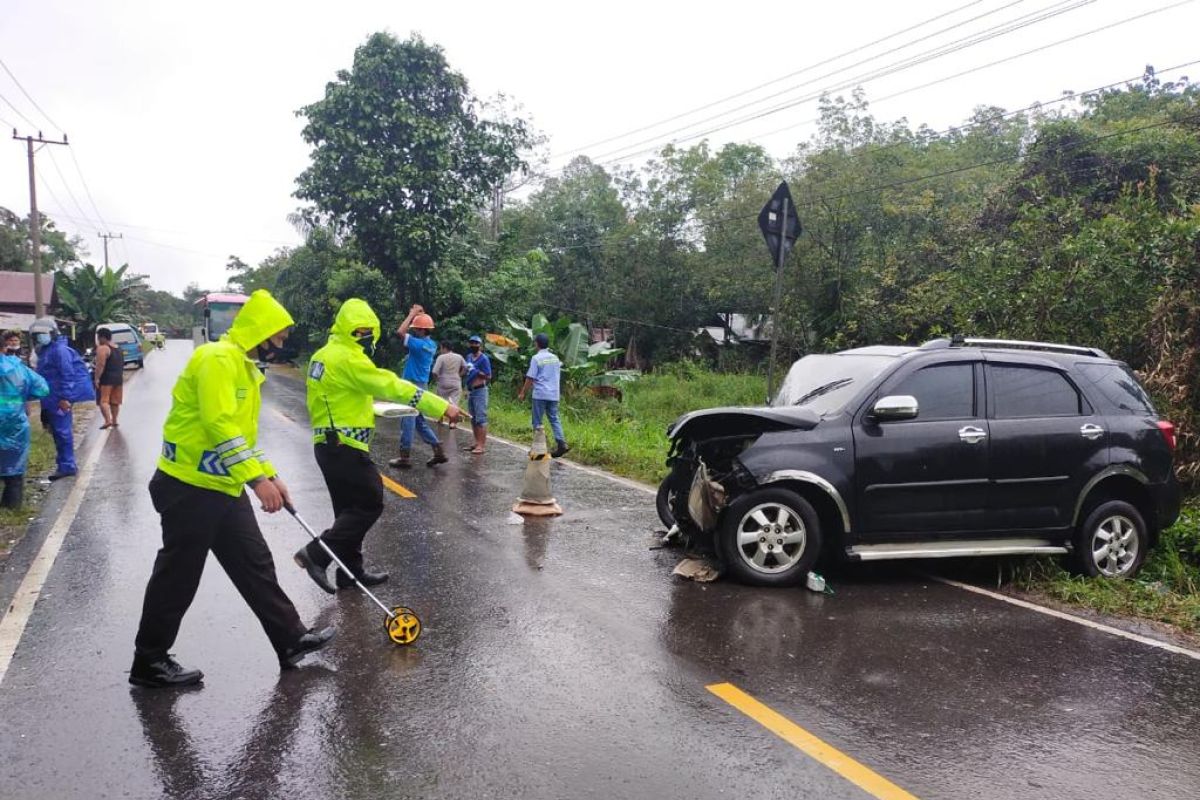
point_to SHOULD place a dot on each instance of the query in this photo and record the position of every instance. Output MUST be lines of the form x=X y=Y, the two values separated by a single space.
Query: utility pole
x=35 y=222
x=106 y=237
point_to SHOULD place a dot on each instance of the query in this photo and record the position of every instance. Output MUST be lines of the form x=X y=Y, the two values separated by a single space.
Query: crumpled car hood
x=734 y=420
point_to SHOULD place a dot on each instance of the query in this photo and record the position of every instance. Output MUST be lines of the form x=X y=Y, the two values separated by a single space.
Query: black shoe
x=60 y=475
x=316 y=573
x=560 y=449
x=310 y=642
x=163 y=673
x=344 y=581
x=439 y=456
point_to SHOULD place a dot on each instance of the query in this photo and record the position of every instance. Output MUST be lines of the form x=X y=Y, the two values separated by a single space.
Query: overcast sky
x=181 y=116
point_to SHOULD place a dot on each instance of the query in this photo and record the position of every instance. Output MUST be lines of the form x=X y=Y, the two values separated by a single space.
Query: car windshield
x=221 y=318
x=825 y=383
x=150 y=328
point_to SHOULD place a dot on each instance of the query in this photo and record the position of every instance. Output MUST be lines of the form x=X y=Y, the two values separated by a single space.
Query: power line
x=894 y=67
x=29 y=97
x=744 y=92
x=793 y=103
x=87 y=190
x=71 y=194
x=27 y=120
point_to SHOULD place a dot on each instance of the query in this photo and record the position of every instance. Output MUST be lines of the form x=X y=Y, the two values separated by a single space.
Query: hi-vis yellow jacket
x=210 y=435
x=343 y=381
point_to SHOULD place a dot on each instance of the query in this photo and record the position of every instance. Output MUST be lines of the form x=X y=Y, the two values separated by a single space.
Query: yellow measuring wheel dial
x=403 y=626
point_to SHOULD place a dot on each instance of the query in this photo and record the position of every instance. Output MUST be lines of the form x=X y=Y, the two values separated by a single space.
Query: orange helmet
x=423 y=321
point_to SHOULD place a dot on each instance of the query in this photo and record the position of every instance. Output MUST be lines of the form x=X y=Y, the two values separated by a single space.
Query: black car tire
x=141 y=364
x=749 y=524
x=1115 y=526
x=662 y=501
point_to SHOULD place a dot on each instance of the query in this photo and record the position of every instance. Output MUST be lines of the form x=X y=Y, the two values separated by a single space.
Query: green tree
x=92 y=296
x=401 y=157
x=58 y=249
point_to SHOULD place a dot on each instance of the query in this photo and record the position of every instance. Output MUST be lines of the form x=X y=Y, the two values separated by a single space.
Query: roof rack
x=1016 y=344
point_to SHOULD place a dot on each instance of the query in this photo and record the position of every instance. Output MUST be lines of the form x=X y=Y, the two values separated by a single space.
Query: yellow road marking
x=864 y=778
x=397 y=488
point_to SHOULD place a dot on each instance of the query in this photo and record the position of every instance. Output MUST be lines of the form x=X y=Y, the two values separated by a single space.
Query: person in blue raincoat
x=69 y=383
x=18 y=385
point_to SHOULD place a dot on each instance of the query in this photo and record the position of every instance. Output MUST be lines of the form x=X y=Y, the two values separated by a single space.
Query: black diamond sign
x=779 y=227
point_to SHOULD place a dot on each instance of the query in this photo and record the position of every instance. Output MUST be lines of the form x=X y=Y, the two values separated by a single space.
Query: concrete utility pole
x=106 y=237
x=35 y=222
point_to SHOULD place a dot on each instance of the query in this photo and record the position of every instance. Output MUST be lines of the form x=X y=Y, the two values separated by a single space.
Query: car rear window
x=1117 y=383
x=124 y=337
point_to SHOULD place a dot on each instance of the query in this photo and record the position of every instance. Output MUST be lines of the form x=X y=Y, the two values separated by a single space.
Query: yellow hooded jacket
x=210 y=435
x=343 y=381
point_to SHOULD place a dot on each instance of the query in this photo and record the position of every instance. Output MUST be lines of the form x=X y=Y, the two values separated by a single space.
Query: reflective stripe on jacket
x=211 y=433
x=343 y=381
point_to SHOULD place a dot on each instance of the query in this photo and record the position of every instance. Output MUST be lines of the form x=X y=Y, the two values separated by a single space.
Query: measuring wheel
x=403 y=626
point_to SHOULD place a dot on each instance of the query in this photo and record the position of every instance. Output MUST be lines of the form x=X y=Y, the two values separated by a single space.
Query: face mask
x=14 y=351
x=269 y=351
x=474 y=348
x=367 y=343
x=43 y=338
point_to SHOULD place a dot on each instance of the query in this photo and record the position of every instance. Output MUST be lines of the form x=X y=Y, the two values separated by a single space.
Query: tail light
x=1168 y=432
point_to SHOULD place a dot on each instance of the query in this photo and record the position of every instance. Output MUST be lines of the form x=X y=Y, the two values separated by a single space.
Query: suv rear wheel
x=770 y=537
x=1111 y=542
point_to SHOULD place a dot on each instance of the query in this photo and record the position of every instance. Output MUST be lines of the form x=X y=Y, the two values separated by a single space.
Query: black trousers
x=357 y=494
x=14 y=491
x=195 y=521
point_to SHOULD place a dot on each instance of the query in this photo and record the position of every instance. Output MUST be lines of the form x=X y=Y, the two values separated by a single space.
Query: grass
x=629 y=437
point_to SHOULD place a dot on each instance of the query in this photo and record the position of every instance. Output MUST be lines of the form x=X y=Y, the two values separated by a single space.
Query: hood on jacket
x=260 y=318
x=355 y=314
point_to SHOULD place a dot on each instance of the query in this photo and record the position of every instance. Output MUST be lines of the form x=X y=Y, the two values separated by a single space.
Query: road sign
x=779 y=223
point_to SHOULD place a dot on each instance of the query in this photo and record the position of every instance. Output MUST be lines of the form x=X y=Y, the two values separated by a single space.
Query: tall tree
x=58 y=249
x=401 y=156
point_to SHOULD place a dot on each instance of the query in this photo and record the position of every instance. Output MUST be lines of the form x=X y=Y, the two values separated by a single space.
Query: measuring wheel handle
x=403 y=625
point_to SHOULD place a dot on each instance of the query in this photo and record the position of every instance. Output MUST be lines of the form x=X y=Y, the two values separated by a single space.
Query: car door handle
x=972 y=435
x=1090 y=431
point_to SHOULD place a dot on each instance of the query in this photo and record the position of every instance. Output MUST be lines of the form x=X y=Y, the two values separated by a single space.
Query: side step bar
x=953 y=549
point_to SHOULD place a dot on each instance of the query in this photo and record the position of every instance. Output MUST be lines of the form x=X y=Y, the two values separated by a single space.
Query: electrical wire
x=29 y=97
x=793 y=103
x=772 y=82
x=67 y=186
x=28 y=121
x=87 y=190
x=908 y=62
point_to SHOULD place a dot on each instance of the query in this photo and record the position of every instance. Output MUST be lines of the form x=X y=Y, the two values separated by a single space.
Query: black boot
x=316 y=573
x=401 y=461
x=439 y=456
x=344 y=581
x=162 y=673
x=560 y=449
x=313 y=640
x=14 y=491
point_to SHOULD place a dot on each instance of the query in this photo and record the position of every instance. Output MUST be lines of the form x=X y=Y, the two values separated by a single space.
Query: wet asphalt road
x=559 y=660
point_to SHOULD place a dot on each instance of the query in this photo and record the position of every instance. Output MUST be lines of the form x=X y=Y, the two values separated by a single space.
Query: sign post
x=780 y=226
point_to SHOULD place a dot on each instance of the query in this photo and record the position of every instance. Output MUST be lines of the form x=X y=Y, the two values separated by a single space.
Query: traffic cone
x=535 y=499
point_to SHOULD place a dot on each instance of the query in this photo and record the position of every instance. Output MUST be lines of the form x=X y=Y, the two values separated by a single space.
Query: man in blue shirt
x=414 y=331
x=543 y=377
x=479 y=373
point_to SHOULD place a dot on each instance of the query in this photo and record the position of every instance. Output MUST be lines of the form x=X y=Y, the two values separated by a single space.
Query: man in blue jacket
x=18 y=385
x=69 y=382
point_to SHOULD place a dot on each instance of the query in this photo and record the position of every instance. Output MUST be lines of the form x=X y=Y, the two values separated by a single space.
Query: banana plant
x=583 y=362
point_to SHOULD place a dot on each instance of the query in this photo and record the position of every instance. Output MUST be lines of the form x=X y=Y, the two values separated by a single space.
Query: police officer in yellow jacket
x=209 y=455
x=342 y=383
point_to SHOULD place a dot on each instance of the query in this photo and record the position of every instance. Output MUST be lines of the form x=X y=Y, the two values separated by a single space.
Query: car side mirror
x=895 y=407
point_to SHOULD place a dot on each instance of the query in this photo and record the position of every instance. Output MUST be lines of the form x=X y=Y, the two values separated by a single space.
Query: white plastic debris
x=815 y=583
x=696 y=569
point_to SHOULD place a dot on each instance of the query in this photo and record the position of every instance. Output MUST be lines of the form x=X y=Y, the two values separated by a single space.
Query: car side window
x=944 y=391
x=1021 y=392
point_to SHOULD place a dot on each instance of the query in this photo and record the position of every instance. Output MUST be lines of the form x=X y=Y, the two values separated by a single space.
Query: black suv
x=959 y=447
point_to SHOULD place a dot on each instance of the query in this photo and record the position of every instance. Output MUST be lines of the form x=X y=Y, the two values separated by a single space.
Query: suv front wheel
x=770 y=537
x=1112 y=541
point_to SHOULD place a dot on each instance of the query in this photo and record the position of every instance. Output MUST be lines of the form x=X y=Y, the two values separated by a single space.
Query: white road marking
x=1087 y=623
x=12 y=626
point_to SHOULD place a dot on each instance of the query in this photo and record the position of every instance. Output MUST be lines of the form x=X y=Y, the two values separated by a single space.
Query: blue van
x=127 y=337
